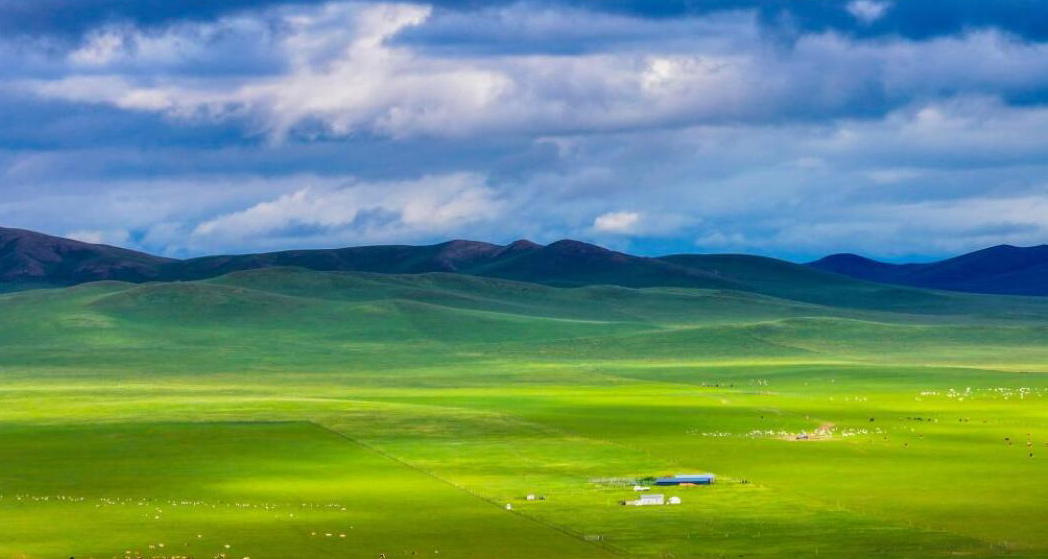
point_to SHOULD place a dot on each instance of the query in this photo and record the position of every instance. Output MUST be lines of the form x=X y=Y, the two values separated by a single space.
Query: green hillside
x=779 y=278
x=292 y=413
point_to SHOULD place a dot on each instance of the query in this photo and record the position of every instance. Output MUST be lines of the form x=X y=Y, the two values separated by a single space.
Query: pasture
x=264 y=411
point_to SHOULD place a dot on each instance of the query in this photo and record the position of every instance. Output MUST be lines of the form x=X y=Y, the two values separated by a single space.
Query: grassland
x=265 y=410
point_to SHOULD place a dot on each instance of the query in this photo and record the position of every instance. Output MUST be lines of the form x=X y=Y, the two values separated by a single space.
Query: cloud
x=100 y=49
x=918 y=19
x=62 y=18
x=617 y=222
x=117 y=237
x=544 y=29
x=336 y=71
x=340 y=73
x=868 y=11
x=357 y=213
x=895 y=230
x=800 y=190
x=792 y=128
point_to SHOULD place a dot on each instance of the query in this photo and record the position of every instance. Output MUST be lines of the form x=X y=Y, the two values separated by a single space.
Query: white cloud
x=835 y=142
x=868 y=11
x=115 y=237
x=100 y=48
x=891 y=228
x=617 y=222
x=718 y=240
x=359 y=212
x=913 y=181
x=337 y=70
x=340 y=70
x=158 y=213
x=368 y=84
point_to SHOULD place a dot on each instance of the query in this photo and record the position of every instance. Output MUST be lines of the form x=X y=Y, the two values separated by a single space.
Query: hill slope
x=787 y=280
x=36 y=259
x=1003 y=269
x=292 y=319
x=29 y=259
x=32 y=259
x=564 y=263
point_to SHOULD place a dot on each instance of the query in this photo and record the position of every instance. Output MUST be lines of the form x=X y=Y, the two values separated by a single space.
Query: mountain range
x=30 y=259
x=1002 y=269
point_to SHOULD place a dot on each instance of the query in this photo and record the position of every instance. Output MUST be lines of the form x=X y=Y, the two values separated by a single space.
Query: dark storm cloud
x=70 y=18
x=31 y=123
x=915 y=19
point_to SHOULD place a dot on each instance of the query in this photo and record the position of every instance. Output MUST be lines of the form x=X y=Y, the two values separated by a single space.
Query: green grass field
x=294 y=414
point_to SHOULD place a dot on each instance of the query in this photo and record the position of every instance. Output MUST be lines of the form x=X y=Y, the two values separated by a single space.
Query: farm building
x=686 y=479
x=649 y=499
x=654 y=499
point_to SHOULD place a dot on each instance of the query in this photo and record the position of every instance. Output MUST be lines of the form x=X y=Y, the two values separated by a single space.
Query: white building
x=649 y=499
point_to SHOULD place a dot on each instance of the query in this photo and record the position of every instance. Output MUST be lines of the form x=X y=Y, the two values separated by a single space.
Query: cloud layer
x=895 y=128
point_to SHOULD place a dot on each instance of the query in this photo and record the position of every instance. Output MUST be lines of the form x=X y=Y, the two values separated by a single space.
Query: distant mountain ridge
x=30 y=257
x=35 y=259
x=1002 y=270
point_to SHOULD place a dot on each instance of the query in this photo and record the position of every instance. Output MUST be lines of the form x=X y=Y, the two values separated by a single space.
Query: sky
x=898 y=129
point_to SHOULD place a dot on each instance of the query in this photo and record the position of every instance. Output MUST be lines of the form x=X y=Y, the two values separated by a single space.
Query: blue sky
x=905 y=129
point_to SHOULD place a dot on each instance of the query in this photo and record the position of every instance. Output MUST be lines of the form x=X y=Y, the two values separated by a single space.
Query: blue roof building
x=686 y=479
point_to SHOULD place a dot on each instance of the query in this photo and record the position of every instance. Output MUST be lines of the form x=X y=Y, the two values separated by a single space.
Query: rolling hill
x=290 y=318
x=29 y=260
x=35 y=259
x=563 y=263
x=39 y=260
x=1003 y=269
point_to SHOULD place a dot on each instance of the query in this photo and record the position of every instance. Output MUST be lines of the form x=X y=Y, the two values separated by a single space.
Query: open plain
x=286 y=413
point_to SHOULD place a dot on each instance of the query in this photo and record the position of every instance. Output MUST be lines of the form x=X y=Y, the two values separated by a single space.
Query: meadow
x=284 y=413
